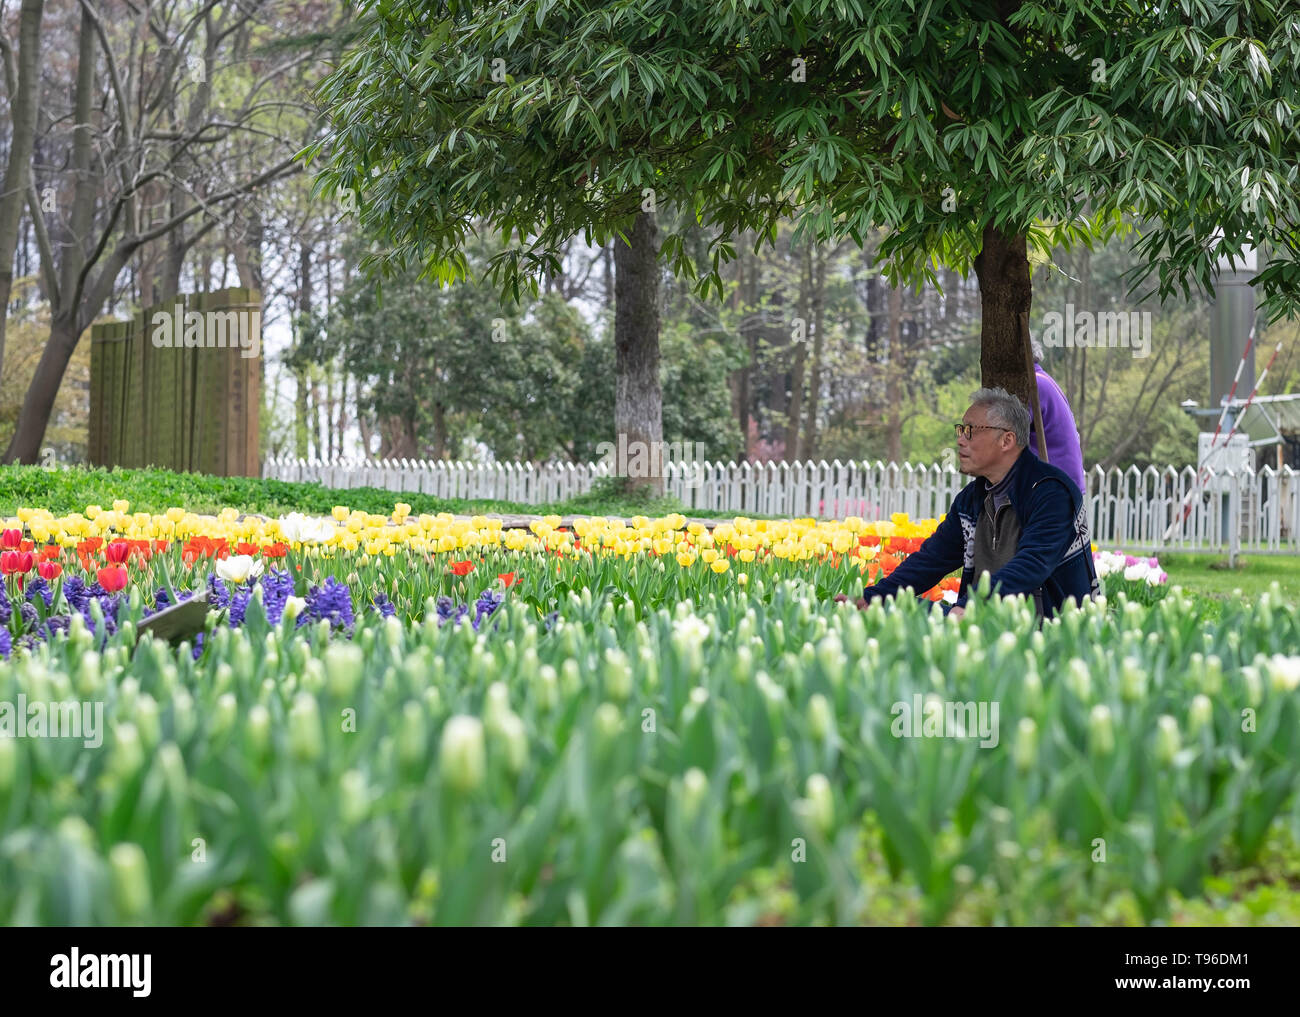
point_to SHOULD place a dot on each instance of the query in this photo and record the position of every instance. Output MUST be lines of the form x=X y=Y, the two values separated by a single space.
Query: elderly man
x=1021 y=520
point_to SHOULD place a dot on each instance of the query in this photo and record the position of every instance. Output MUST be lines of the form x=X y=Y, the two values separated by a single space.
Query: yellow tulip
x=685 y=560
x=721 y=565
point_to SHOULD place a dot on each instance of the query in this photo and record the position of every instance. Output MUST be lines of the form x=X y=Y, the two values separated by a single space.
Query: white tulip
x=239 y=567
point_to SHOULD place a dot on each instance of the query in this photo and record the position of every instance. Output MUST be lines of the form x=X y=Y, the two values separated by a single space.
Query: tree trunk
x=819 y=347
x=66 y=319
x=439 y=430
x=22 y=136
x=638 y=399
x=1002 y=267
x=38 y=403
x=794 y=414
x=893 y=379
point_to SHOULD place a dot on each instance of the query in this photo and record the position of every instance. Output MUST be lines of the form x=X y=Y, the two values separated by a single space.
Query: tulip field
x=419 y=719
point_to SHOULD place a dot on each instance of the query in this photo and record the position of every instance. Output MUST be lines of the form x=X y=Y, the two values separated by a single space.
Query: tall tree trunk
x=302 y=410
x=22 y=136
x=69 y=318
x=1002 y=267
x=794 y=415
x=894 y=368
x=638 y=399
x=439 y=430
x=819 y=347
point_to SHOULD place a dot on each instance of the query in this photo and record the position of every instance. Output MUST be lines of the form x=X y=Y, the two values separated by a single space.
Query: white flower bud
x=1200 y=714
x=1101 y=730
x=306 y=741
x=1025 y=752
x=129 y=876
x=1167 y=739
x=821 y=720
x=343 y=668
x=462 y=758
x=820 y=803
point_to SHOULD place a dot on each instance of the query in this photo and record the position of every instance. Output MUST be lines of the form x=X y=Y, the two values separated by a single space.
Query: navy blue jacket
x=1053 y=558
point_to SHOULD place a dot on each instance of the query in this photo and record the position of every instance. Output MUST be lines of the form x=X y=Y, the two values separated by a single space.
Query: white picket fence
x=1128 y=509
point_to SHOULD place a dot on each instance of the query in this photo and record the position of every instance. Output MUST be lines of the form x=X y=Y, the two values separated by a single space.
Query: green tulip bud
x=514 y=738
x=1079 y=680
x=618 y=674
x=393 y=634
x=1025 y=752
x=831 y=657
x=242 y=657
x=76 y=831
x=89 y=682
x=1032 y=687
x=821 y=719
x=259 y=729
x=570 y=677
x=172 y=766
x=649 y=667
x=306 y=740
x=129 y=875
x=146 y=720
x=1200 y=714
x=742 y=665
x=78 y=634
x=496 y=704
x=343 y=667
x=1254 y=688
x=1133 y=680
x=546 y=687
x=695 y=785
x=820 y=802
x=411 y=734
x=354 y=798
x=128 y=754
x=223 y=677
x=1167 y=739
x=607 y=721
x=128 y=691
x=183 y=720
x=1101 y=730
x=1212 y=684
x=462 y=758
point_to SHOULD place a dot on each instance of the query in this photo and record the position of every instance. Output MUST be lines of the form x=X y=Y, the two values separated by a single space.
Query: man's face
x=986 y=446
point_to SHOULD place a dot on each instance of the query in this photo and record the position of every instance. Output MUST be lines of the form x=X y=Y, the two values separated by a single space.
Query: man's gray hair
x=1036 y=346
x=1005 y=410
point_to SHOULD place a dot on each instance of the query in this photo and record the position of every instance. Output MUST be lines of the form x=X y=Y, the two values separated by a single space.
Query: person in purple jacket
x=1059 y=428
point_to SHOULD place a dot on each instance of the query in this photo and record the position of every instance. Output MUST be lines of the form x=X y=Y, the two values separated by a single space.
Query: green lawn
x=71 y=490
x=1209 y=575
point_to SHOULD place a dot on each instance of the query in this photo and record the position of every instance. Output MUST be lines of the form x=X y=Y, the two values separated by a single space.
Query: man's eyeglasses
x=966 y=430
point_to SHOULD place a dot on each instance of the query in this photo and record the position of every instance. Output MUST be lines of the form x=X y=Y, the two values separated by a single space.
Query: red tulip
x=27 y=545
x=49 y=551
x=116 y=553
x=508 y=578
x=112 y=578
x=16 y=562
x=49 y=570
x=10 y=539
x=462 y=568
